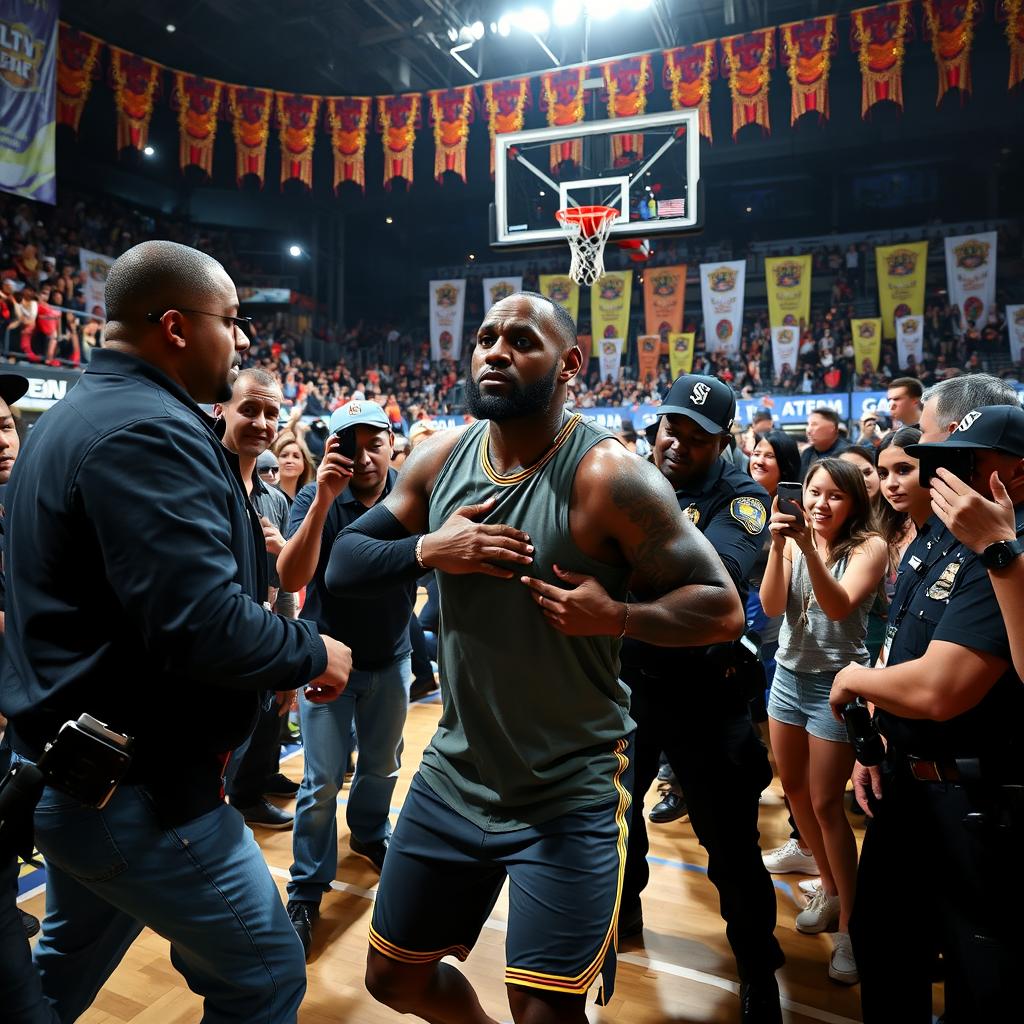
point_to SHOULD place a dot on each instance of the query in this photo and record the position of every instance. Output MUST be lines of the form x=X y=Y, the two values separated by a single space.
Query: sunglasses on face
x=269 y=471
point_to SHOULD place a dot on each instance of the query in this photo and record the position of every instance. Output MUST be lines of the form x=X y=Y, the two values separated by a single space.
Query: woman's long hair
x=892 y=524
x=787 y=453
x=287 y=437
x=861 y=524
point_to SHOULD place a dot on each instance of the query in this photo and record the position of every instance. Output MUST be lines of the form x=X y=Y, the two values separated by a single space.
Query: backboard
x=648 y=167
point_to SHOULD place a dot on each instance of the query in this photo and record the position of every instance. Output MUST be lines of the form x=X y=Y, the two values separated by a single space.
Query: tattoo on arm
x=654 y=568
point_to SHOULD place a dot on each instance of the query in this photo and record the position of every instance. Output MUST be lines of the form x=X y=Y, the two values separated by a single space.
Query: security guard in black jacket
x=692 y=703
x=947 y=805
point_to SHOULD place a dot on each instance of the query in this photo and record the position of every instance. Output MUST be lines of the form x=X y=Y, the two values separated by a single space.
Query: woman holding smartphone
x=824 y=569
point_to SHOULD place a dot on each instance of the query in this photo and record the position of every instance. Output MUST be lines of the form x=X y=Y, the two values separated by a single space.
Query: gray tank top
x=532 y=720
x=809 y=641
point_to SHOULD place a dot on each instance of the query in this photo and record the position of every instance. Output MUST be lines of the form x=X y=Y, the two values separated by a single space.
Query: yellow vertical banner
x=664 y=294
x=609 y=306
x=901 y=273
x=788 y=279
x=562 y=289
x=867 y=343
x=680 y=353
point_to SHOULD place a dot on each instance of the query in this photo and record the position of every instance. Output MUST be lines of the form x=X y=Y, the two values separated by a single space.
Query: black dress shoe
x=671 y=807
x=631 y=922
x=265 y=815
x=759 y=1001
x=303 y=915
x=29 y=923
x=280 y=785
x=373 y=852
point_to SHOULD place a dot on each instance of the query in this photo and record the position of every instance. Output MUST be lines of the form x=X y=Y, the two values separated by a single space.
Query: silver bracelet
x=419 y=552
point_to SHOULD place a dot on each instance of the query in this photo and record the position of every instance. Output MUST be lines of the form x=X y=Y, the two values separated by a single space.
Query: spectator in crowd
x=400 y=452
x=823 y=573
x=151 y=591
x=762 y=422
x=296 y=468
x=824 y=436
x=904 y=396
x=906 y=504
x=864 y=459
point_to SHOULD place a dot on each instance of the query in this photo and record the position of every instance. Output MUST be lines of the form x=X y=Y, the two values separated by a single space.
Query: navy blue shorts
x=443 y=874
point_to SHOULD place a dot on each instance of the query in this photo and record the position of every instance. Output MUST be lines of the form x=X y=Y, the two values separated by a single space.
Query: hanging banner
x=451 y=113
x=447 y=306
x=648 y=350
x=785 y=349
x=909 y=340
x=1011 y=14
x=561 y=97
x=687 y=76
x=788 y=280
x=135 y=84
x=627 y=83
x=609 y=351
x=680 y=353
x=879 y=37
x=563 y=290
x=747 y=61
x=971 y=275
x=398 y=117
x=77 y=55
x=505 y=104
x=198 y=105
x=901 y=275
x=96 y=267
x=498 y=288
x=348 y=117
x=664 y=296
x=867 y=344
x=296 y=131
x=28 y=71
x=950 y=26
x=807 y=51
x=1015 y=327
x=721 y=294
x=609 y=307
x=250 y=125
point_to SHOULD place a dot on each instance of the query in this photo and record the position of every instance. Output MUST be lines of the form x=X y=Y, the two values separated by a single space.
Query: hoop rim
x=578 y=214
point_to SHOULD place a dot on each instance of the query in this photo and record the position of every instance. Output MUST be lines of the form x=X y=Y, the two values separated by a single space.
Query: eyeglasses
x=242 y=323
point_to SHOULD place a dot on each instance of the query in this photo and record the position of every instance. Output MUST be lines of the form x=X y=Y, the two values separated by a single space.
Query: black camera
x=863 y=733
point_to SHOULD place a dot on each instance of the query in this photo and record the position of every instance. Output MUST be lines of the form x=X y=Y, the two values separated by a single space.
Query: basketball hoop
x=586 y=228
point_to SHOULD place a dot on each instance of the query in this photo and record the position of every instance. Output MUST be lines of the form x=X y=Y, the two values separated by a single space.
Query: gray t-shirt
x=270 y=503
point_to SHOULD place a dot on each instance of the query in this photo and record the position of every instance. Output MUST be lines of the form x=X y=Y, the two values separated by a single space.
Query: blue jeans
x=378 y=703
x=203 y=885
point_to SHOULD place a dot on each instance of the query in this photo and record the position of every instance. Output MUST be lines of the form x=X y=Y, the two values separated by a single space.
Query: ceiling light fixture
x=149 y=151
x=172 y=28
x=294 y=251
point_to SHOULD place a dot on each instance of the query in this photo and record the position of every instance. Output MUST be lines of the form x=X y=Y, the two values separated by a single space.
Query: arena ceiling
x=346 y=47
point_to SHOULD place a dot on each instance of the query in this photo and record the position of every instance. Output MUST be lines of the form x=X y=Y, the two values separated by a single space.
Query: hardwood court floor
x=681 y=972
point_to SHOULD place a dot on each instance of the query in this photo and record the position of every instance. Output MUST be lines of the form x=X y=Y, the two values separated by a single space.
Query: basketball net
x=586 y=229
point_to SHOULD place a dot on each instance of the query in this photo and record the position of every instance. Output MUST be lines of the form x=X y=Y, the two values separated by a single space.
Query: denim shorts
x=801 y=699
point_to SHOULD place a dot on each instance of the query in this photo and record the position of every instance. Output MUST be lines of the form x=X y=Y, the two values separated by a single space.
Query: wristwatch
x=1002 y=553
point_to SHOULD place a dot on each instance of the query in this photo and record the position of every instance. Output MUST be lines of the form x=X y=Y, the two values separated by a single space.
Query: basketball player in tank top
x=537 y=522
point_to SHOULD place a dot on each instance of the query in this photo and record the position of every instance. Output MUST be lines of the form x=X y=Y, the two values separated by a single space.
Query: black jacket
x=136 y=572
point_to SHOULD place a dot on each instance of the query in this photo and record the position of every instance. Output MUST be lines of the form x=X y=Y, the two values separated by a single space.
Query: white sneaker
x=790 y=858
x=841 y=966
x=820 y=915
x=809 y=886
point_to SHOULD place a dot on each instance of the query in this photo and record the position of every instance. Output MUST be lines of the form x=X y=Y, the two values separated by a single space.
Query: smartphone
x=791 y=496
x=959 y=461
x=346 y=442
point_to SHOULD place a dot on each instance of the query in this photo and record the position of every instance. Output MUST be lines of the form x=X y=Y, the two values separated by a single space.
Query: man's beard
x=517 y=403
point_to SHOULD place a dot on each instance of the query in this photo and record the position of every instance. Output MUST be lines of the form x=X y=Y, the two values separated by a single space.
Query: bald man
x=136 y=576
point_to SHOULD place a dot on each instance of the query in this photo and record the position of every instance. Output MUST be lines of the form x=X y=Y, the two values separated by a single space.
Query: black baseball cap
x=997 y=428
x=12 y=387
x=708 y=401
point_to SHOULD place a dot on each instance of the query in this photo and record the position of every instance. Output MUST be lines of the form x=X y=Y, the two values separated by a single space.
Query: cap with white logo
x=708 y=401
x=998 y=428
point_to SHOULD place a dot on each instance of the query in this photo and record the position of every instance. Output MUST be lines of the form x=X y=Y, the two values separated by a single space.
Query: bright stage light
x=453 y=34
x=566 y=12
x=294 y=251
x=477 y=28
x=149 y=151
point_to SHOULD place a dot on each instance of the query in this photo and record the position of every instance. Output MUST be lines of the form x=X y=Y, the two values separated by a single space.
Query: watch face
x=1001 y=554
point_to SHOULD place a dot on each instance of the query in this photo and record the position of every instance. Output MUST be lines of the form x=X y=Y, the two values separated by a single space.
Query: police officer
x=948 y=805
x=691 y=703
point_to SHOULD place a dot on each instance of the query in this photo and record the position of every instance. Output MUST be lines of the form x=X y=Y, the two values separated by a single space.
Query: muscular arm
x=1008 y=585
x=297 y=562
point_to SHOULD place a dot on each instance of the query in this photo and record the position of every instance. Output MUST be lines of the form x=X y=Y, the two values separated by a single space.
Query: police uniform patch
x=750 y=513
x=692 y=513
x=943 y=586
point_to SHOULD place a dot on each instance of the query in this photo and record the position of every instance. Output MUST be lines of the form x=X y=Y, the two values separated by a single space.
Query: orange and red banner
x=688 y=73
x=1011 y=13
x=250 y=125
x=135 y=84
x=198 y=106
x=505 y=104
x=296 y=131
x=561 y=96
x=648 y=353
x=807 y=50
x=664 y=293
x=77 y=54
x=348 y=117
x=950 y=26
x=451 y=113
x=879 y=35
x=398 y=117
x=627 y=83
x=747 y=61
